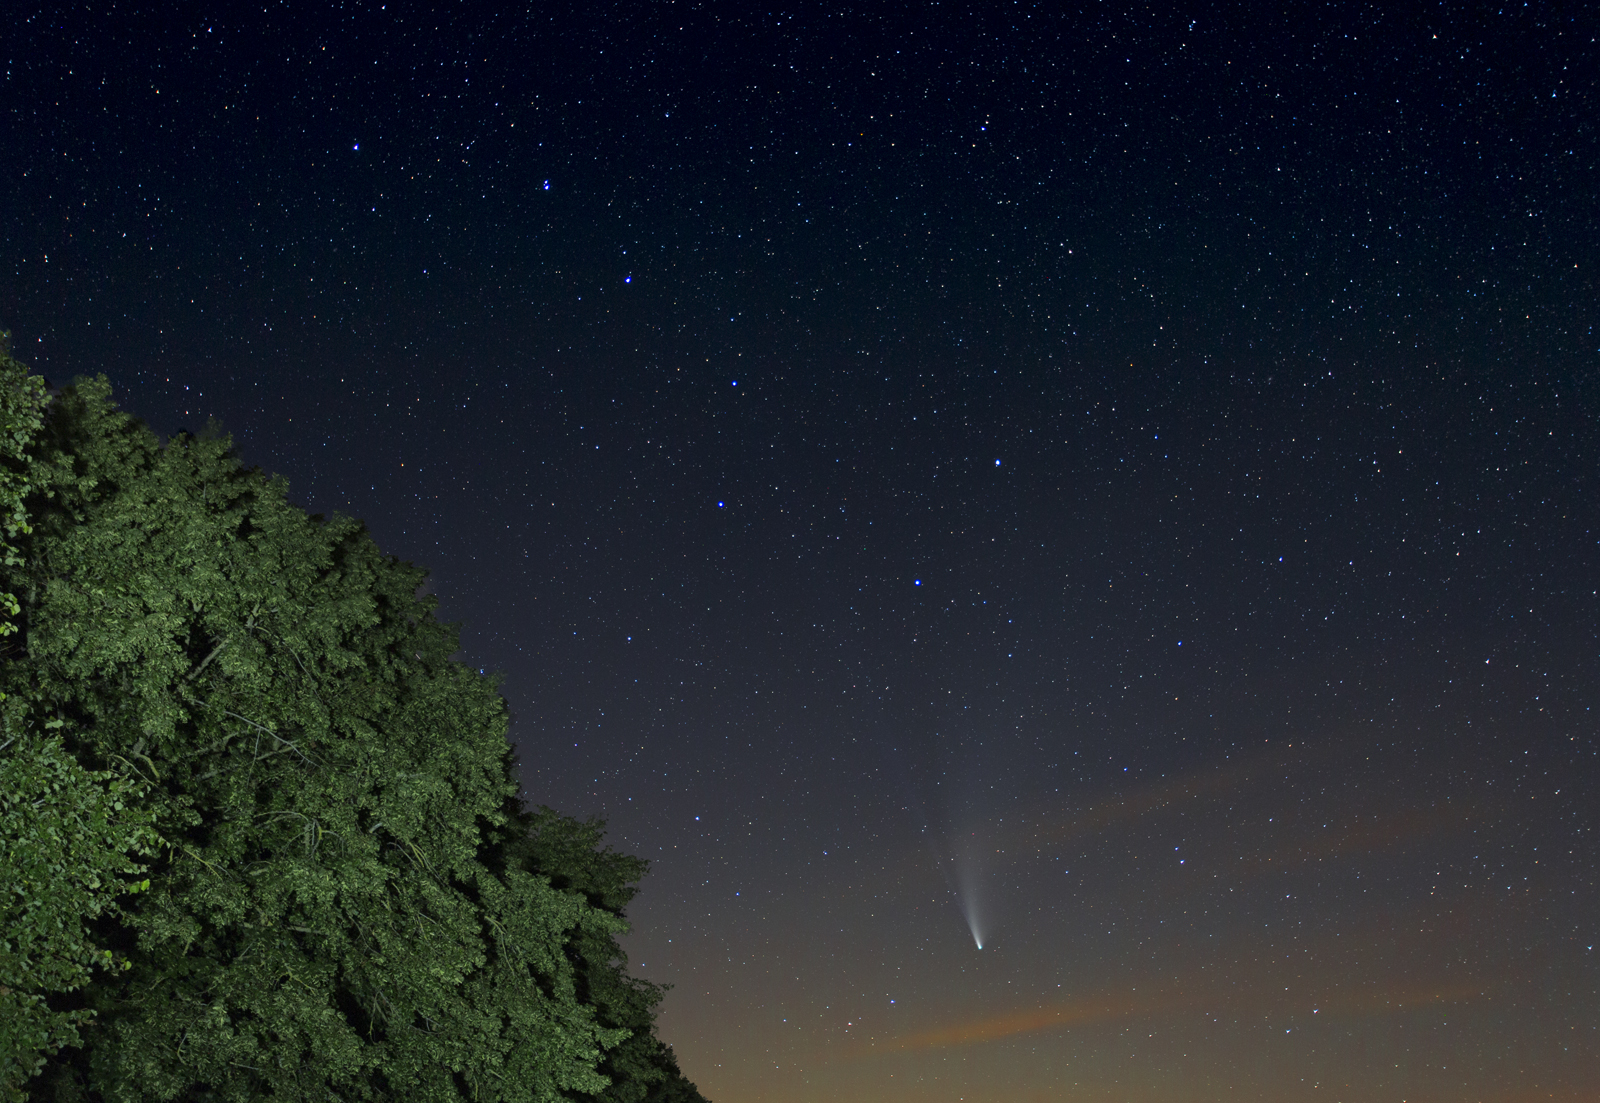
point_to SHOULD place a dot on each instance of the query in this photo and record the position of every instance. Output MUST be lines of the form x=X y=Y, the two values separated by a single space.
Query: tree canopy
x=68 y=836
x=344 y=897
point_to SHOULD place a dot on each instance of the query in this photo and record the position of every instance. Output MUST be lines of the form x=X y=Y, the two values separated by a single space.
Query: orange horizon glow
x=1102 y=1007
x=1105 y=1007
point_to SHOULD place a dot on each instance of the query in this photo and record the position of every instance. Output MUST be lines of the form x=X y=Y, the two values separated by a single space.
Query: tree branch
x=205 y=662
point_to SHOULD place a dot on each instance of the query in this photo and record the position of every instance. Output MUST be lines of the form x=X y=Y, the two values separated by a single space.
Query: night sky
x=1113 y=487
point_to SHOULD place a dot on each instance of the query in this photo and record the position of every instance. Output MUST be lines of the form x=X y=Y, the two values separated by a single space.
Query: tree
x=336 y=911
x=22 y=403
x=68 y=836
x=641 y=1069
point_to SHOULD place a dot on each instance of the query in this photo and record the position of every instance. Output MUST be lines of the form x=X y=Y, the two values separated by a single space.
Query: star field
x=1114 y=485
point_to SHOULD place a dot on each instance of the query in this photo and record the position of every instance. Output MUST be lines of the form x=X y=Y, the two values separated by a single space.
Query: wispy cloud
x=1199 y=992
x=1371 y=832
x=1082 y=1011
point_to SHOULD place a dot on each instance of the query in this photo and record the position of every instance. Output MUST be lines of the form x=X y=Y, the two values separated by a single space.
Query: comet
x=969 y=877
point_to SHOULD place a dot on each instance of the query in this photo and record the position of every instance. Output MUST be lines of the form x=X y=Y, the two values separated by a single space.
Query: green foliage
x=348 y=901
x=641 y=1069
x=22 y=403
x=67 y=835
x=66 y=840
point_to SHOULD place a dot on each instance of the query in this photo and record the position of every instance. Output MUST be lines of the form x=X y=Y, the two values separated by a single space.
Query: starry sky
x=1067 y=535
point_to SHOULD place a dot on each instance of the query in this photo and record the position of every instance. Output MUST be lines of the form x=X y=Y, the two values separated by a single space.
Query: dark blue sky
x=1116 y=484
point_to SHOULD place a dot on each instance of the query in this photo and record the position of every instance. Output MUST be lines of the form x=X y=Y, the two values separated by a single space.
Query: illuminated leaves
x=341 y=907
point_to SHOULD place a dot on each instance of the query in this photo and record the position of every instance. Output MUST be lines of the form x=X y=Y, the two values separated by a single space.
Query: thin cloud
x=1083 y=1011
x=1197 y=993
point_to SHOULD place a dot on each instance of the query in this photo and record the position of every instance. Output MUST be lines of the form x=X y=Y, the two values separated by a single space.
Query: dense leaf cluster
x=345 y=898
x=68 y=836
